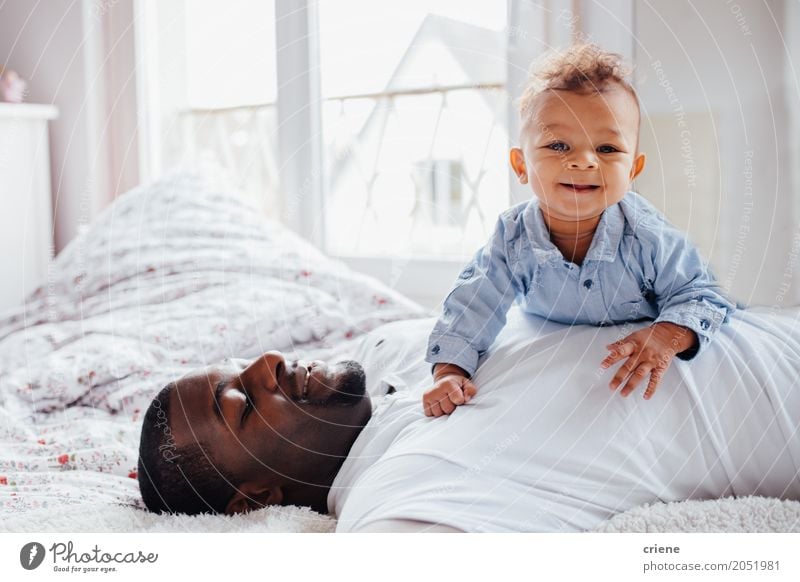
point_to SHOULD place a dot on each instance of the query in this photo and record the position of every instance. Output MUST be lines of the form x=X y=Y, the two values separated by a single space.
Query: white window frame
x=299 y=118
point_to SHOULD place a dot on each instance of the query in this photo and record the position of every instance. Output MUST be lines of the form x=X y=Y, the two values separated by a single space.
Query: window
x=377 y=130
x=211 y=90
x=414 y=126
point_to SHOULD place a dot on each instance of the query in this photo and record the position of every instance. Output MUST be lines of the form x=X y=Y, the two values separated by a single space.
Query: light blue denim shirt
x=638 y=267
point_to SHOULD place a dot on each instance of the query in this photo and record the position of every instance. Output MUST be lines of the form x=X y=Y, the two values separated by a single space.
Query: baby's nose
x=583 y=162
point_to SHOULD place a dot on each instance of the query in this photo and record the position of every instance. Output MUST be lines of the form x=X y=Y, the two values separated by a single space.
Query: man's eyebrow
x=215 y=402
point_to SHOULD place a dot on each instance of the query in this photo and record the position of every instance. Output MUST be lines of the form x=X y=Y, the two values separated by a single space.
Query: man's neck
x=315 y=495
x=309 y=495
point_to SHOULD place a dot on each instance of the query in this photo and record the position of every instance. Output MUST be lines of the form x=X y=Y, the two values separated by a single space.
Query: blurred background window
x=414 y=125
x=413 y=110
x=212 y=90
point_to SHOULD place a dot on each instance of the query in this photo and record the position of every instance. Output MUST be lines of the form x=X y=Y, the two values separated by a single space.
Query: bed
x=176 y=275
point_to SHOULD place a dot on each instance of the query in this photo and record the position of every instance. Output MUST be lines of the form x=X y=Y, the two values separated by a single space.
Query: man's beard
x=350 y=385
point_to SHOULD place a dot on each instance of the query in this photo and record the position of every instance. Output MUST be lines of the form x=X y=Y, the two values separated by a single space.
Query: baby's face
x=579 y=152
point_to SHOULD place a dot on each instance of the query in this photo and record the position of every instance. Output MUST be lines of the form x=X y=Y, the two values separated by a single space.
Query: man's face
x=579 y=151
x=272 y=423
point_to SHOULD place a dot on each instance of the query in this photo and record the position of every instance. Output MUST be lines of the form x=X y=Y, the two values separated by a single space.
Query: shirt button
x=704 y=323
x=566 y=264
x=588 y=283
x=467 y=272
x=435 y=349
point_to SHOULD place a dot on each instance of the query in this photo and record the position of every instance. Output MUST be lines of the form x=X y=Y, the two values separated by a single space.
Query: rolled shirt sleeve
x=475 y=310
x=686 y=290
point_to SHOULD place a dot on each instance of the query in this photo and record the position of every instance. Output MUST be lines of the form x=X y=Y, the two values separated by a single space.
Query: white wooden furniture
x=26 y=216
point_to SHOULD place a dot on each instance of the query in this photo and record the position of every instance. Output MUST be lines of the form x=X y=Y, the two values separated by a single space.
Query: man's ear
x=638 y=166
x=251 y=496
x=518 y=165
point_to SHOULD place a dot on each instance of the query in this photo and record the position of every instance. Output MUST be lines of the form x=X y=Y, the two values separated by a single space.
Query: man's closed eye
x=248 y=405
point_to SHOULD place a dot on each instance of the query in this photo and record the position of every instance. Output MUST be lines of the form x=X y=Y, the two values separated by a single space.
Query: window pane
x=214 y=89
x=414 y=122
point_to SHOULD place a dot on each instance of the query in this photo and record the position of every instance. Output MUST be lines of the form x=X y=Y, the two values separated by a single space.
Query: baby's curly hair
x=582 y=68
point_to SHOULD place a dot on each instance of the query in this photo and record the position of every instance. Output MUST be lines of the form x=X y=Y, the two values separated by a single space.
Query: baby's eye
x=558 y=146
x=606 y=149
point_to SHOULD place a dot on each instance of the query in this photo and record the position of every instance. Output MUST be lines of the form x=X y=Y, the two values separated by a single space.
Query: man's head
x=237 y=437
x=580 y=133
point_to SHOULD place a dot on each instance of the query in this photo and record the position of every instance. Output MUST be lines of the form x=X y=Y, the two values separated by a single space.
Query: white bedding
x=171 y=277
x=180 y=274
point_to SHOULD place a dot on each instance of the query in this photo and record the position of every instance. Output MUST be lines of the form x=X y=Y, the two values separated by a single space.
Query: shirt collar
x=604 y=243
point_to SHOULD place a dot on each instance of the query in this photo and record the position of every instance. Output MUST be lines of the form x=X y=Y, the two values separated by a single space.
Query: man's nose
x=263 y=371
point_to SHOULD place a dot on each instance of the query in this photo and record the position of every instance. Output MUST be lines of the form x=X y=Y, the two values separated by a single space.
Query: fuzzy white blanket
x=743 y=515
x=748 y=514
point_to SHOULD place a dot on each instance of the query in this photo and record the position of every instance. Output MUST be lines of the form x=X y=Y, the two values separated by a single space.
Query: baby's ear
x=638 y=165
x=517 y=160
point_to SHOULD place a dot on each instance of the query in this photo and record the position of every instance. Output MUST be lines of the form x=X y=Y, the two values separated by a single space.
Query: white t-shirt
x=546 y=446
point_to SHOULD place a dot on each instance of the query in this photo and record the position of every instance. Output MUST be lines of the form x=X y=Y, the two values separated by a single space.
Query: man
x=545 y=446
x=270 y=433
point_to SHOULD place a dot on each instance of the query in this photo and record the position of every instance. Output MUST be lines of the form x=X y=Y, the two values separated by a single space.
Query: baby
x=584 y=249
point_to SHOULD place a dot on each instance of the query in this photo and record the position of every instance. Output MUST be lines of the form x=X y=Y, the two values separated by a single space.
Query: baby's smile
x=580 y=187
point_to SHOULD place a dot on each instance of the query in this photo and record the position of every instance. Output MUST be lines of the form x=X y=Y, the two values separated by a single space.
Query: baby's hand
x=448 y=391
x=649 y=351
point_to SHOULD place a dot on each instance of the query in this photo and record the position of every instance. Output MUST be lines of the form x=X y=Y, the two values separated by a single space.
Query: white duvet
x=171 y=277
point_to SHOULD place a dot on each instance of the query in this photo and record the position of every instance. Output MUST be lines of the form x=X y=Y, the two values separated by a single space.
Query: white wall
x=78 y=55
x=726 y=72
x=717 y=70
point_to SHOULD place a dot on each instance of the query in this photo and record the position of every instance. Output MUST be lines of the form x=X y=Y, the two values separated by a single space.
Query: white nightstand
x=26 y=215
